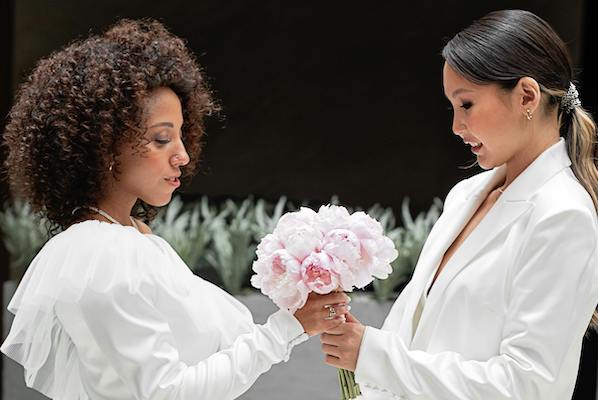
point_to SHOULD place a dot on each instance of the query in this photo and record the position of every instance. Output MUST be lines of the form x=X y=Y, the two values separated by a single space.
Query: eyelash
x=466 y=105
x=162 y=141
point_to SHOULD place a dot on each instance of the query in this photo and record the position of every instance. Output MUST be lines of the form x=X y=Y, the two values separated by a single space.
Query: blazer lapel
x=444 y=232
x=513 y=204
x=499 y=218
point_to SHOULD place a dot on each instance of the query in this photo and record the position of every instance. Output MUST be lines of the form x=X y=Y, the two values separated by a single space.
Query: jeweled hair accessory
x=571 y=99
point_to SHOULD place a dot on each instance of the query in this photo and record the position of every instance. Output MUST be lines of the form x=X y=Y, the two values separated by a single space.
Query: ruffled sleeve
x=133 y=335
x=115 y=286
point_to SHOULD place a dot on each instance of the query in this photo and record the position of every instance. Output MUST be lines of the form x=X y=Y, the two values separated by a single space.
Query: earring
x=111 y=165
x=529 y=114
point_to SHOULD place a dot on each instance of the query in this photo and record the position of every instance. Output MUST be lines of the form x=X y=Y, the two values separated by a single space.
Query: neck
x=543 y=135
x=118 y=206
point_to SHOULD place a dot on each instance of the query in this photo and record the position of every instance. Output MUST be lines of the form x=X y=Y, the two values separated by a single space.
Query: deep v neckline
x=444 y=261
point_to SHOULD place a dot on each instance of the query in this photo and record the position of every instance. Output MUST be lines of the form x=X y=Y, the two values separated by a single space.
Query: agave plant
x=187 y=231
x=233 y=249
x=24 y=234
x=267 y=216
x=409 y=240
x=383 y=215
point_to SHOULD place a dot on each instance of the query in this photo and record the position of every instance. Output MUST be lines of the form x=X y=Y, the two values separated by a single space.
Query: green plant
x=409 y=241
x=383 y=215
x=267 y=216
x=233 y=250
x=24 y=234
x=187 y=231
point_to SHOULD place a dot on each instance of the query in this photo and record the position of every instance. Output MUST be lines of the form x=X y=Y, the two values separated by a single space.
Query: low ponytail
x=583 y=152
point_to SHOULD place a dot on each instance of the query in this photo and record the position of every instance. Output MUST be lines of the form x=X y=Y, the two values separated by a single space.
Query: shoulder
x=563 y=195
x=143 y=227
x=102 y=254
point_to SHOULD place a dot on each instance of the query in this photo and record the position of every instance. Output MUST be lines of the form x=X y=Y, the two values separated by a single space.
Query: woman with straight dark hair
x=507 y=281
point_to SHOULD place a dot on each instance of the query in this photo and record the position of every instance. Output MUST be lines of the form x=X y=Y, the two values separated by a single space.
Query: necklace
x=109 y=217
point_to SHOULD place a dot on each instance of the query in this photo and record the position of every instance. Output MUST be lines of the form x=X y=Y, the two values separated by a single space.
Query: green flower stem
x=343 y=385
x=349 y=388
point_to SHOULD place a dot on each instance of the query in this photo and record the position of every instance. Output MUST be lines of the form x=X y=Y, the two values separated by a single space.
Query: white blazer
x=506 y=317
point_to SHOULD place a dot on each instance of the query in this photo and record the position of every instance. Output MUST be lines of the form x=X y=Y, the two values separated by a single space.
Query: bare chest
x=473 y=222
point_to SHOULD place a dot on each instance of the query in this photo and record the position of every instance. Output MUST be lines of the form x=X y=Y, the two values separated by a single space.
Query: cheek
x=143 y=168
x=492 y=124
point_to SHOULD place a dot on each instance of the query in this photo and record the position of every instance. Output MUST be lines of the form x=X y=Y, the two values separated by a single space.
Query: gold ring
x=331 y=311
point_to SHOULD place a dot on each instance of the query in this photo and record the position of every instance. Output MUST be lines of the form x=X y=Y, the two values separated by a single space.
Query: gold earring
x=529 y=114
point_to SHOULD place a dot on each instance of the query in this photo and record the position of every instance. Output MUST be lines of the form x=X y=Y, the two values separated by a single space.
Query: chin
x=487 y=164
x=158 y=201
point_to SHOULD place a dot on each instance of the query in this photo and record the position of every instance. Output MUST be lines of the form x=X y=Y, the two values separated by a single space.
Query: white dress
x=106 y=312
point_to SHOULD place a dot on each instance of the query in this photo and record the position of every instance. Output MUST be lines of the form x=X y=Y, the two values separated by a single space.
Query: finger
x=336 y=298
x=351 y=318
x=328 y=325
x=332 y=361
x=342 y=308
x=331 y=311
x=331 y=350
x=338 y=330
x=327 y=338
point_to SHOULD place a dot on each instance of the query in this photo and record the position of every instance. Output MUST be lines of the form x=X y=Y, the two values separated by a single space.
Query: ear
x=528 y=94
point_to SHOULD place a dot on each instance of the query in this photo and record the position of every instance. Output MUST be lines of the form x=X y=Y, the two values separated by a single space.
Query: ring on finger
x=331 y=312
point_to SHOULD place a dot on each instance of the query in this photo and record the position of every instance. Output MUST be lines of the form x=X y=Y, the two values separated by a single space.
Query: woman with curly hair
x=100 y=135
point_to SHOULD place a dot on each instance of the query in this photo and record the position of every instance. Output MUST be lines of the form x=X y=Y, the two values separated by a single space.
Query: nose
x=458 y=125
x=180 y=157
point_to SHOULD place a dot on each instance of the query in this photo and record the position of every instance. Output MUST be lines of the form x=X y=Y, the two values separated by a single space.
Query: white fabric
x=105 y=312
x=506 y=316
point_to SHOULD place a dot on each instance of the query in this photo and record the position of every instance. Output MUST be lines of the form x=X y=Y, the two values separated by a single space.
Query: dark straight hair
x=505 y=46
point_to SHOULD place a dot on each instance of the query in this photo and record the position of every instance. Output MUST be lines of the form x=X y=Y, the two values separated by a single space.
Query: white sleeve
x=551 y=300
x=137 y=340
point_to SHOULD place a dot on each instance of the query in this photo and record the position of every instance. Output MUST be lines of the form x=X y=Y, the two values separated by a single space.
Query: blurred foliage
x=409 y=240
x=224 y=236
x=24 y=233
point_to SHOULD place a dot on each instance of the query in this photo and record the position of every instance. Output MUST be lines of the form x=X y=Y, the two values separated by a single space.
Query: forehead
x=163 y=104
x=454 y=83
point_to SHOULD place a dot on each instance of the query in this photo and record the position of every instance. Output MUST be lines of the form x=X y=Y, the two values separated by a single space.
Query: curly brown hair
x=80 y=106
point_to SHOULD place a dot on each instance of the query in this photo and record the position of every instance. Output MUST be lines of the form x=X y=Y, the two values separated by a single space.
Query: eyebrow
x=168 y=124
x=460 y=90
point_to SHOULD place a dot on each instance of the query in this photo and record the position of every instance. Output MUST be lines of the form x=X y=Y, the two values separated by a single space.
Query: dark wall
x=320 y=98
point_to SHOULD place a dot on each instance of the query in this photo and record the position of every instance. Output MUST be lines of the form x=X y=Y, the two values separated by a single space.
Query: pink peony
x=319 y=274
x=272 y=269
x=321 y=252
x=268 y=245
x=333 y=217
x=290 y=293
x=298 y=233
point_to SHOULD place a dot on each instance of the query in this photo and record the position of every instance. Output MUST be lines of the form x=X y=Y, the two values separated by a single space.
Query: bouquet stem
x=349 y=389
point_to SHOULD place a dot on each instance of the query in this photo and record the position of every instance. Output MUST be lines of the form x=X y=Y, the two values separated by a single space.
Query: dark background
x=319 y=97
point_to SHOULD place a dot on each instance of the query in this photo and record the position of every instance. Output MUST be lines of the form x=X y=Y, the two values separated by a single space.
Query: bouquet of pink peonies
x=322 y=252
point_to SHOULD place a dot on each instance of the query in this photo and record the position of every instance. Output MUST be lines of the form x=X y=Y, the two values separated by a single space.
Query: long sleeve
x=136 y=339
x=551 y=298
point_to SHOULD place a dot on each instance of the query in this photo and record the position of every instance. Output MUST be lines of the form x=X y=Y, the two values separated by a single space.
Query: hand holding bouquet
x=322 y=252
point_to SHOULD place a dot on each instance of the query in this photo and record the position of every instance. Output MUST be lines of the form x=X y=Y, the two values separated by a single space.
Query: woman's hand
x=323 y=312
x=341 y=344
